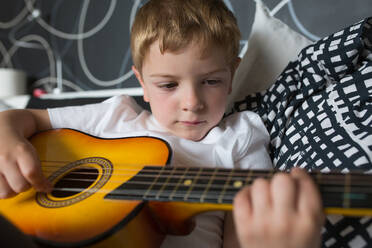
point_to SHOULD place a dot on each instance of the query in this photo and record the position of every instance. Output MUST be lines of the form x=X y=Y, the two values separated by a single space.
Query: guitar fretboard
x=217 y=185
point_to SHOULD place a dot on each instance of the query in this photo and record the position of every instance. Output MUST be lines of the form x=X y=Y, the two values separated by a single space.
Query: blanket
x=319 y=116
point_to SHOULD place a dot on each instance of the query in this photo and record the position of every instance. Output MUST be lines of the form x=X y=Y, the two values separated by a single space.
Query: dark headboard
x=105 y=40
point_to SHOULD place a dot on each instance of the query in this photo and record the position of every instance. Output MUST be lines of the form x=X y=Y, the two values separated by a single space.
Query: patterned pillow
x=267 y=53
x=319 y=116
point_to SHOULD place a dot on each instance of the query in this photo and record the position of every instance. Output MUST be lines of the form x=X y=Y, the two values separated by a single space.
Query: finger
x=242 y=201
x=14 y=178
x=309 y=199
x=242 y=211
x=260 y=196
x=31 y=169
x=283 y=188
x=5 y=190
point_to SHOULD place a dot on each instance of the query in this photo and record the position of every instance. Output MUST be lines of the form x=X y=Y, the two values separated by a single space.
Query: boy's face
x=187 y=92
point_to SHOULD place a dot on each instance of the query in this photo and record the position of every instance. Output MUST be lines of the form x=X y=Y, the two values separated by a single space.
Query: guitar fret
x=153 y=182
x=188 y=182
x=171 y=184
x=192 y=185
x=234 y=184
x=224 y=187
x=136 y=186
x=271 y=174
x=248 y=179
x=216 y=185
x=164 y=184
x=171 y=196
x=208 y=185
x=346 y=200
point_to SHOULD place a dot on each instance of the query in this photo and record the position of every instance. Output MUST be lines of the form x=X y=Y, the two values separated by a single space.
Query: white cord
x=22 y=43
x=54 y=80
x=79 y=35
x=244 y=49
x=278 y=7
x=83 y=62
x=6 y=56
x=49 y=52
x=46 y=46
x=59 y=76
x=229 y=5
x=299 y=24
x=16 y=19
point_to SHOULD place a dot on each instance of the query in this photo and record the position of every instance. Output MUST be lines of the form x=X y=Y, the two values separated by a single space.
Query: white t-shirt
x=239 y=141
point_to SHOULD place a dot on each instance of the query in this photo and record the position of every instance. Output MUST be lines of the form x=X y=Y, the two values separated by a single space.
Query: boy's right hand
x=19 y=164
x=19 y=167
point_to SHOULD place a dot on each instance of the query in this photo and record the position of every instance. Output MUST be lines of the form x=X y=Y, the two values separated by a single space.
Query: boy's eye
x=169 y=85
x=211 y=82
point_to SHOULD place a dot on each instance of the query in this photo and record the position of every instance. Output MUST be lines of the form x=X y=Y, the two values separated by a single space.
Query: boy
x=185 y=56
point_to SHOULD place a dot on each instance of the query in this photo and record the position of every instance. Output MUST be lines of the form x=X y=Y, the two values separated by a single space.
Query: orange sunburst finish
x=92 y=219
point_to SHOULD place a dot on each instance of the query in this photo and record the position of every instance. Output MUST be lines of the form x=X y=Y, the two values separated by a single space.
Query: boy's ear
x=237 y=63
x=140 y=80
x=235 y=67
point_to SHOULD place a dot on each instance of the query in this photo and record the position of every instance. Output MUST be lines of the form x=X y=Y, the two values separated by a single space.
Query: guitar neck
x=219 y=186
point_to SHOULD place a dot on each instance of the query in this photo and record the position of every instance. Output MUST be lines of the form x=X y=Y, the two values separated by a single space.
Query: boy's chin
x=196 y=137
x=193 y=136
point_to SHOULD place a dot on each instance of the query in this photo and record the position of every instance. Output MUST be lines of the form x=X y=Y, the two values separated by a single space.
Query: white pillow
x=4 y=106
x=272 y=44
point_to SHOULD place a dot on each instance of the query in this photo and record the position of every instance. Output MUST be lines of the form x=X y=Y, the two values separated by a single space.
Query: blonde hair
x=176 y=23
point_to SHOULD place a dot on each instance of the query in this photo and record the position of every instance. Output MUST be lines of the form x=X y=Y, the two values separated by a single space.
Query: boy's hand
x=19 y=167
x=285 y=212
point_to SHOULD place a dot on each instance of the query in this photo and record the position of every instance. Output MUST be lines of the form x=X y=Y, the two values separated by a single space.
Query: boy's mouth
x=192 y=123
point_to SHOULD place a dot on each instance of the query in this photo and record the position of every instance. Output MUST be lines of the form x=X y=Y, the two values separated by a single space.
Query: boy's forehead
x=200 y=49
x=193 y=60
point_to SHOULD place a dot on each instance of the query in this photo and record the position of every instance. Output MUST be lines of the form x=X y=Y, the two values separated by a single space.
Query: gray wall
x=107 y=54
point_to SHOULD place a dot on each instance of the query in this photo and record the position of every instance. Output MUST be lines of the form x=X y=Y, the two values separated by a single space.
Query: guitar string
x=164 y=194
x=151 y=196
x=334 y=187
x=210 y=170
x=237 y=178
x=139 y=192
x=326 y=179
x=332 y=200
x=354 y=187
x=240 y=173
x=212 y=197
x=192 y=195
x=153 y=168
x=328 y=189
x=146 y=168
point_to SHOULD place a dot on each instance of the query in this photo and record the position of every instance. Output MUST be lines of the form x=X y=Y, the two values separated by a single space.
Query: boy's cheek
x=162 y=114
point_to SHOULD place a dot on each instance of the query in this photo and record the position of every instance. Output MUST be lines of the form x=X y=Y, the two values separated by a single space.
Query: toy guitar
x=105 y=196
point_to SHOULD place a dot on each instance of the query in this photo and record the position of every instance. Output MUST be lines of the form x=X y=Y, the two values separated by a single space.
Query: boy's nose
x=192 y=100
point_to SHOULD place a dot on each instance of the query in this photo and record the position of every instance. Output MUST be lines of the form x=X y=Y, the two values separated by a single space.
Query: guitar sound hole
x=75 y=182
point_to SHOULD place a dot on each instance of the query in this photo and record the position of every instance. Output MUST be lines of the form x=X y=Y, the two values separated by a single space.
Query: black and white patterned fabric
x=319 y=116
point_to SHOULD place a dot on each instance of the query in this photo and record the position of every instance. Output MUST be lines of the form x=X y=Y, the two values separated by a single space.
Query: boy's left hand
x=284 y=212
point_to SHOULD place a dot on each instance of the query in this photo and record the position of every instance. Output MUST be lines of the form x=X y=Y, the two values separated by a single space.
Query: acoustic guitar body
x=85 y=169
